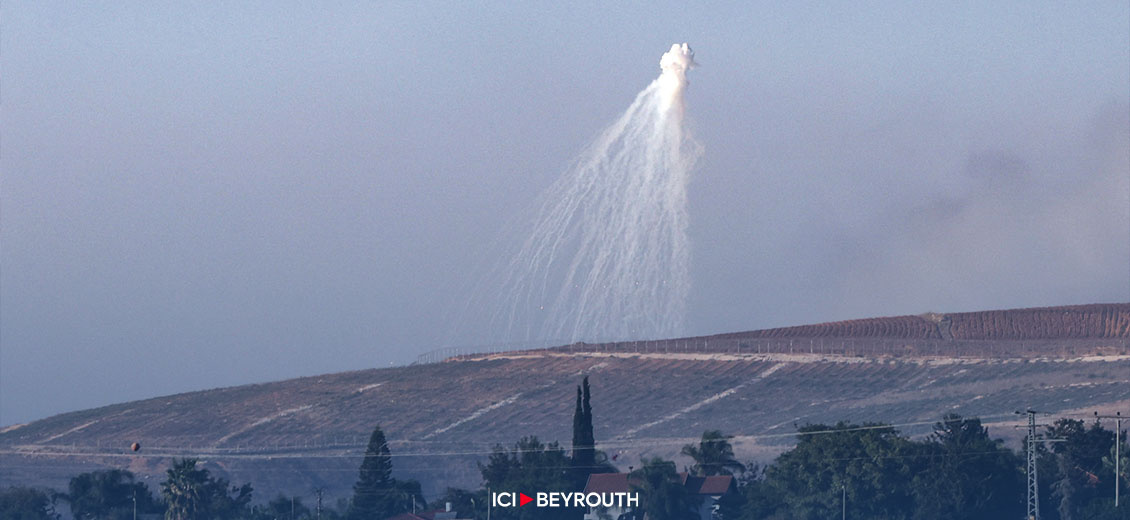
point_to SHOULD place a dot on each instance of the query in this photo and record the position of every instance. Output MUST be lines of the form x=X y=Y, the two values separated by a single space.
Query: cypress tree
x=584 y=443
x=578 y=418
x=586 y=426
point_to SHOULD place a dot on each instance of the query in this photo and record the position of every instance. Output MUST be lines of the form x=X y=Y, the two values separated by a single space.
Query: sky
x=195 y=195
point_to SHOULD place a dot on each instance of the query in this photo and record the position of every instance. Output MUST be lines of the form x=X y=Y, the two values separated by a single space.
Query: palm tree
x=714 y=455
x=183 y=490
x=662 y=494
x=193 y=494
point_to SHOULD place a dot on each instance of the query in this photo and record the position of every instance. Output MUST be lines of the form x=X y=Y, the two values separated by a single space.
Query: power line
x=347 y=451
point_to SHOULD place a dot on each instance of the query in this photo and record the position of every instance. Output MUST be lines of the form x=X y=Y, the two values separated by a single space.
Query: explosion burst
x=608 y=254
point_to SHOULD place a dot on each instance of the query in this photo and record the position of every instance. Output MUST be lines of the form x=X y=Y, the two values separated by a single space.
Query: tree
x=377 y=494
x=530 y=465
x=871 y=464
x=193 y=494
x=408 y=496
x=1080 y=481
x=754 y=499
x=469 y=504
x=373 y=492
x=714 y=455
x=24 y=503
x=108 y=494
x=1123 y=466
x=966 y=474
x=281 y=508
x=584 y=442
x=662 y=493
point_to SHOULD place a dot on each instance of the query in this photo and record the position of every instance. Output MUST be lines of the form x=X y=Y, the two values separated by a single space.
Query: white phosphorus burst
x=608 y=256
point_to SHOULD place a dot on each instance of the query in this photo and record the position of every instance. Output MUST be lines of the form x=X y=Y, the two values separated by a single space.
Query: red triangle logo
x=523 y=499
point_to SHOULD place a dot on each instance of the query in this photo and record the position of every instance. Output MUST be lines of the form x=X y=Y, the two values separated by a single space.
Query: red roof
x=715 y=485
x=607 y=483
x=619 y=483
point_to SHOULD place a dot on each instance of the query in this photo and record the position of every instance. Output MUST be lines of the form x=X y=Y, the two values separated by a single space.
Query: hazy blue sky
x=200 y=194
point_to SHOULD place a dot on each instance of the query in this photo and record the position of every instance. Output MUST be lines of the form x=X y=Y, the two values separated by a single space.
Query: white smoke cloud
x=607 y=255
x=674 y=63
x=678 y=60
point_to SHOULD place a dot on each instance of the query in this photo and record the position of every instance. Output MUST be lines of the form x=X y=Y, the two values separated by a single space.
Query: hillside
x=1066 y=322
x=649 y=398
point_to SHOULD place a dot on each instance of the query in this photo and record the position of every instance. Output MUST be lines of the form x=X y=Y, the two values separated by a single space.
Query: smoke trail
x=608 y=255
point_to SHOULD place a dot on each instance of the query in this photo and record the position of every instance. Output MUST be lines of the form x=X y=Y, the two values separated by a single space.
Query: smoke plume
x=607 y=254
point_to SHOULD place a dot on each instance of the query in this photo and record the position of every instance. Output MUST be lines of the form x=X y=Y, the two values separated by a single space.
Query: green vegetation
x=872 y=463
x=23 y=503
x=281 y=507
x=584 y=442
x=662 y=493
x=714 y=455
x=963 y=469
x=865 y=470
x=529 y=465
x=191 y=493
x=1077 y=475
x=109 y=494
x=959 y=472
x=377 y=494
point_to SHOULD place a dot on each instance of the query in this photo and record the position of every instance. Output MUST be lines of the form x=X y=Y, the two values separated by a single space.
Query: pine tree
x=375 y=490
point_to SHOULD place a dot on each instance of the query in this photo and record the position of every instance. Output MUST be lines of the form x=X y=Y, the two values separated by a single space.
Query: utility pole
x=1117 y=448
x=318 y=492
x=1033 y=481
x=843 y=501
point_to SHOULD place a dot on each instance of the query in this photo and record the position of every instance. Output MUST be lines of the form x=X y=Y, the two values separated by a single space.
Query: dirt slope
x=649 y=398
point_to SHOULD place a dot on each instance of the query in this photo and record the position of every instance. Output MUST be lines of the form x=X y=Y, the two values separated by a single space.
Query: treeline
x=188 y=492
x=864 y=471
x=868 y=471
x=872 y=471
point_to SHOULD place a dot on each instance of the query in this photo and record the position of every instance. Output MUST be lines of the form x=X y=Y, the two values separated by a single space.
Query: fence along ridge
x=850 y=347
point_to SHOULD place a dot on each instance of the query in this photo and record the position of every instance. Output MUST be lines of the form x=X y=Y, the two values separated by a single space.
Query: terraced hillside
x=1104 y=320
x=649 y=398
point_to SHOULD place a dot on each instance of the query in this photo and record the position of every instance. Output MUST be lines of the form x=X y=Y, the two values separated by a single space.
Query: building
x=709 y=489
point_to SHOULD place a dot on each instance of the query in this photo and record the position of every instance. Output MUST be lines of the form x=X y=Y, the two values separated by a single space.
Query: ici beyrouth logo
x=565 y=499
